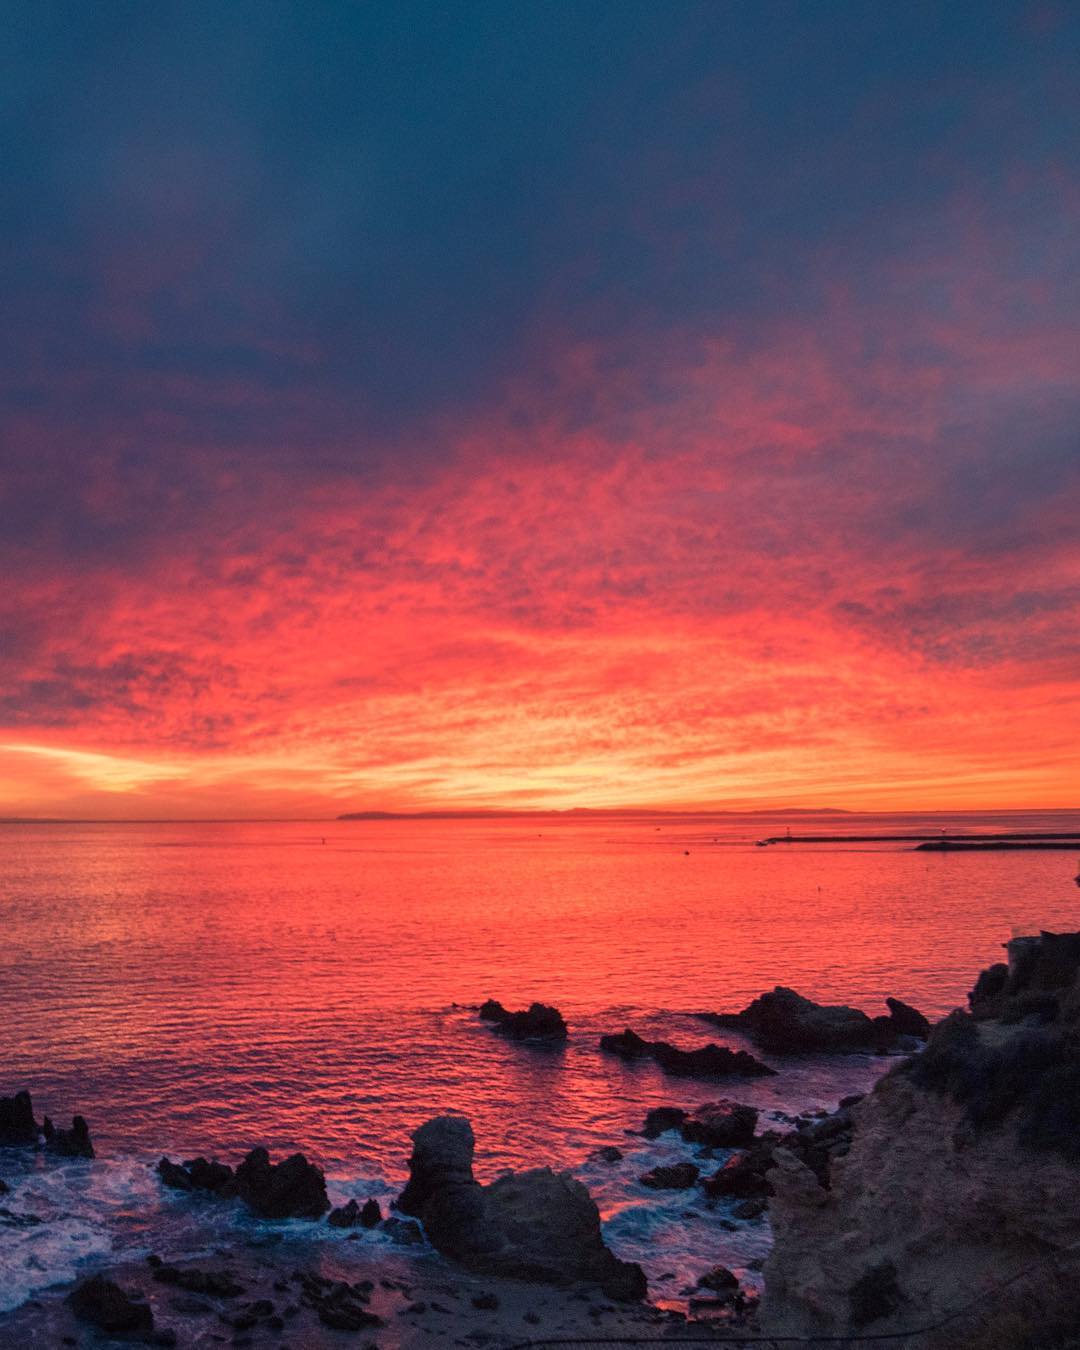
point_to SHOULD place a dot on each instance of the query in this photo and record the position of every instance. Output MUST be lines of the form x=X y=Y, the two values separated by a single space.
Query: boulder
x=535 y=1225
x=291 y=1189
x=783 y=1022
x=709 y=1061
x=106 y=1306
x=721 y=1124
x=1041 y=981
x=370 y=1214
x=677 y=1177
x=720 y=1280
x=538 y=1022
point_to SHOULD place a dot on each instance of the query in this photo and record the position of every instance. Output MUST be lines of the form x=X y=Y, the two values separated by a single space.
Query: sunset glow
x=679 y=474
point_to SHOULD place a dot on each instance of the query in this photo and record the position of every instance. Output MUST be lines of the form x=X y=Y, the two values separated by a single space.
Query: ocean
x=203 y=988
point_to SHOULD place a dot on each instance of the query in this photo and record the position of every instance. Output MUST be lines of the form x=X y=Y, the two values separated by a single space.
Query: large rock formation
x=708 y=1061
x=536 y=1225
x=784 y=1023
x=537 y=1022
x=963 y=1170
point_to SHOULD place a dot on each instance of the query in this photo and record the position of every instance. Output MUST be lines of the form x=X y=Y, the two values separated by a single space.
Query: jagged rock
x=609 y=1154
x=198 y=1174
x=538 y=1022
x=785 y=1023
x=370 y=1214
x=536 y=1225
x=709 y=1061
x=105 y=1305
x=742 y=1177
x=1040 y=981
x=294 y=1188
x=348 y=1216
x=661 y=1119
x=73 y=1143
x=17 y=1123
x=336 y=1303
x=678 y=1177
x=721 y=1124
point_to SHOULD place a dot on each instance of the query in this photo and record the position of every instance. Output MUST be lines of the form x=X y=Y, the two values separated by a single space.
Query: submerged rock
x=535 y=1225
x=783 y=1022
x=538 y=1022
x=709 y=1061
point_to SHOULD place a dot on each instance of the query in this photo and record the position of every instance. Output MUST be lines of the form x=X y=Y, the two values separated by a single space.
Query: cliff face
x=964 y=1170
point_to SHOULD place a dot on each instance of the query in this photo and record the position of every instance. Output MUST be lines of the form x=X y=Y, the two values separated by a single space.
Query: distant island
x=600 y=812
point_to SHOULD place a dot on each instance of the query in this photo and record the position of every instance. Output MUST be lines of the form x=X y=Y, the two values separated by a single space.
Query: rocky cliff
x=963 y=1171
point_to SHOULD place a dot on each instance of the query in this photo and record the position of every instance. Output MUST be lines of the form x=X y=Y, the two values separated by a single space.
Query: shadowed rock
x=73 y=1143
x=661 y=1119
x=677 y=1177
x=710 y=1061
x=1039 y=982
x=721 y=1124
x=535 y=1225
x=198 y=1174
x=784 y=1023
x=106 y=1306
x=17 y=1123
x=538 y=1022
x=294 y=1188
x=348 y=1216
x=19 y=1129
x=370 y=1214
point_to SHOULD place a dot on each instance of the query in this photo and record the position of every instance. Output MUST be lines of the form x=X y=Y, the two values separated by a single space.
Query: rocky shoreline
x=955 y=1173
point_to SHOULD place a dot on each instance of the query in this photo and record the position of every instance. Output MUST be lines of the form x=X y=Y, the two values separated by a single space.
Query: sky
x=472 y=404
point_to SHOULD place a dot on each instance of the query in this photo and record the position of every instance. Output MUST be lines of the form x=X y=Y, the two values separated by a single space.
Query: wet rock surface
x=103 y=1304
x=293 y=1189
x=783 y=1022
x=709 y=1061
x=538 y=1022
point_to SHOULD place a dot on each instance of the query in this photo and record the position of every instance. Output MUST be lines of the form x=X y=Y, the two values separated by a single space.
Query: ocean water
x=208 y=987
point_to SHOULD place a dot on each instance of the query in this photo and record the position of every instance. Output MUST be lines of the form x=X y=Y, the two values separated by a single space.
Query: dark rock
x=720 y=1280
x=73 y=1143
x=710 y=1061
x=348 y=1216
x=742 y=1177
x=785 y=1023
x=196 y=1175
x=485 y=1302
x=106 y=1306
x=294 y=1188
x=906 y=1020
x=609 y=1154
x=661 y=1119
x=986 y=998
x=875 y=1294
x=749 y=1209
x=538 y=1022
x=17 y=1123
x=536 y=1225
x=404 y=1232
x=721 y=1124
x=4 y=1187
x=370 y=1214
x=678 y=1177
x=209 y=1283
